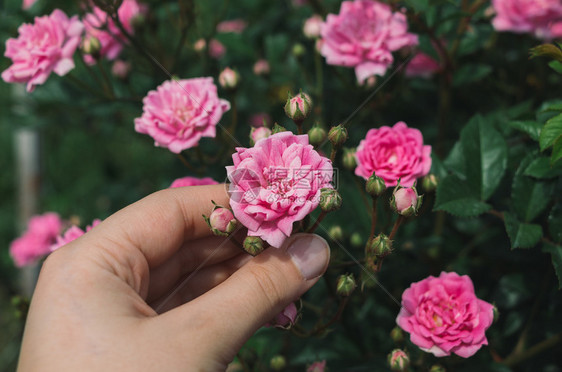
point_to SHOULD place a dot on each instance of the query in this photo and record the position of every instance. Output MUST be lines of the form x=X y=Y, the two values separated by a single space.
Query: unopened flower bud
x=200 y=45
x=437 y=368
x=253 y=245
x=221 y=221
x=261 y=67
x=312 y=27
x=121 y=69
x=316 y=135
x=298 y=50
x=298 y=107
x=375 y=186
x=330 y=200
x=91 y=45
x=348 y=159
x=346 y=285
x=278 y=363
x=429 y=183
x=286 y=318
x=380 y=246
x=278 y=129
x=336 y=233
x=398 y=360
x=257 y=134
x=356 y=240
x=229 y=78
x=405 y=201
x=337 y=135
x=397 y=335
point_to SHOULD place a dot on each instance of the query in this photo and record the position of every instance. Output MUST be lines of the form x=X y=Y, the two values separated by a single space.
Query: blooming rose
x=193 y=181
x=363 y=35
x=45 y=46
x=541 y=18
x=443 y=315
x=37 y=239
x=392 y=154
x=179 y=112
x=422 y=65
x=276 y=183
x=99 y=25
x=71 y=234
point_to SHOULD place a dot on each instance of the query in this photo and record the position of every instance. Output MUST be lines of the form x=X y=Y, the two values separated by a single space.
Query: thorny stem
x=374 y=217
x=397 y=224
x=333 y=154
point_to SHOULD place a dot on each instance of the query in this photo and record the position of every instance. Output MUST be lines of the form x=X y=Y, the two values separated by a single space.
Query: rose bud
x=337 y=135
x=253 y=245
x=375 y=186
x=200 y=45
x=429 y=183
x=346 y=285
x=437 y=368
x=229 y=78
x=261 y=67
x=316 y=135
x=298 y=50
x=335 y=233
x=317 y=367
x=405 y=201
x=349 y=160
x=257 y=134
x=91 y=45
x=397 y=335
x=286 y=318
x=330 y=200
x=356 y=240
x=398 y=360
x=120 y=69
x=278 y=129
x=221 y=221
x=380 y=246
x=312 y=27
x=278 y=363
x=298 y=107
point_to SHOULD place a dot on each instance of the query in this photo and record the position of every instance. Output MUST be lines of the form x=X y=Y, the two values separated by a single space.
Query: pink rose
x=120 y=69
x=312 y=27
x=392 y=154
x=179 y=112
x=193 y=181
x=317 y=367
x=257 y=120
x=541 y=18
x=234 y=25
x=405 y=201
x=443 y=315
x=422 y=65
x=99 y=25
x=285 y=318
x=261 y=67
x=216 y=49
x=27 y=4
x=45 y=46
x=257 y=134
x=276 y=183
x=222 y=220
x=363 y=35
x=36 y=240
x=71 y=234
x=229 y=78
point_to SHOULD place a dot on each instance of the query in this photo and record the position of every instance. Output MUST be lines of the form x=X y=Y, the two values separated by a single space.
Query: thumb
x=256 y=293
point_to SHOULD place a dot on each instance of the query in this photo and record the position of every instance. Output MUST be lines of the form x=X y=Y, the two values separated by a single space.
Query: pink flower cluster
x=179 y=112
x=276 y=183
x=45 y=46
x=444 y=316
x=363 y=35
x=422 y=65
x=541 y=18
x=36 y=241
x=193 y=181
x=100 y=25
x=393 y=153
x=72 y=233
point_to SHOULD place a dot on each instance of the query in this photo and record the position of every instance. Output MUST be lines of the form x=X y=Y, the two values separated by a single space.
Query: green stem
x=534 y=350
x=374 y=218
x=107 y=87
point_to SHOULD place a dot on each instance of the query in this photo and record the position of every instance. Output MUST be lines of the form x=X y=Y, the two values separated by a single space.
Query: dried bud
x=257 y=134
x=429 y=183
x=278 y=129
x=397 y=335
x=380 y=246
x=298 y=107
x=316 y=135
x=337 y=135
x=336 y=233
x=91 y=45
x=375 y=186
x=312 y=27
x=356 y=240
x=253 y=245
x=286 y=318
x=349 y=160
x=437 y=368
x=346 y=285
x=405 y=201
x=398 y=360
x=330 y=200
x=221 y=221
x=278 y=363
x=229 y=78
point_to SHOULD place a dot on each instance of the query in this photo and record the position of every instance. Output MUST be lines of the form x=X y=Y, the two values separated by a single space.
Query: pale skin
x=94 y=305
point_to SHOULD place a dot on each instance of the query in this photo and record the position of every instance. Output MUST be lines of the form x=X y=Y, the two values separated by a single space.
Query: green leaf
x=555 y=106
x=551 y=131
x=455 y=161
x=532 y=128
x=556 y=254
x=556 y=66
x=529 y=196
x=555 y=223
x=541 y=168
x=485 y=154
x=456 y=197
x=521 y=235
x=470 y=73
x=556 y=153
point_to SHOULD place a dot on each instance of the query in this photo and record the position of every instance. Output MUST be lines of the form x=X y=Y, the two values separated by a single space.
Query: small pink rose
x=405 y=201
x=312 y=27
x=261 y=67
x=228 y=78
x=259 y=133
x=222 y=220
x=36 y=241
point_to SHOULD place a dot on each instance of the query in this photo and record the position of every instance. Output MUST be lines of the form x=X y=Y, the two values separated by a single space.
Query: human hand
x=95 y=300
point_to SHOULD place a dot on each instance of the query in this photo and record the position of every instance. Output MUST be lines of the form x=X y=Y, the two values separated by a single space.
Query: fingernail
x=310 y=253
